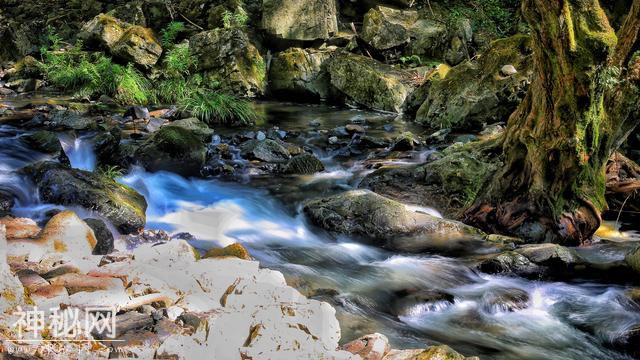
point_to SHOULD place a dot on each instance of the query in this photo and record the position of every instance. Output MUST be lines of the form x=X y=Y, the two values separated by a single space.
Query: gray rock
x=121 y=205
x=137 y=112
x=301 y=73
x=385 y=28
x=70 y=120
x=267 y=151
x=304 y=164
x=300 y=19
x=44 y=141
x=175 y=149
x=508 y=70
x=194 y=125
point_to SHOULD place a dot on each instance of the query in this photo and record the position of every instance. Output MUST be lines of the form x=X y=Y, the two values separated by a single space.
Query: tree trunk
x=578 y=111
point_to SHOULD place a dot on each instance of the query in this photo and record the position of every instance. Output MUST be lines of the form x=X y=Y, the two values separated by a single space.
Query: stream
x=560 y=320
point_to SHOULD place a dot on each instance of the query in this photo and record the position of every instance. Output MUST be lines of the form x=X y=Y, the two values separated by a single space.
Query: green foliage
x=170 y=33
x=495 y=16
x=609 y=77
x=178 y=61
x=236 y=19
x=110 y=172
x=411 y=60
x=216 y=107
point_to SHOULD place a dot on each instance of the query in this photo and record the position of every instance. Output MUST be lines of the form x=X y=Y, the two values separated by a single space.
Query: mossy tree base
x=578 y=110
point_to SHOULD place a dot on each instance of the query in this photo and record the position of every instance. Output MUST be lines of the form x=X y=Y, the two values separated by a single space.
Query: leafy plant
x=178 y=61
x=170 y=33
x=237 y=18
x=215 y=107
x=412 y=60
x=110 y=172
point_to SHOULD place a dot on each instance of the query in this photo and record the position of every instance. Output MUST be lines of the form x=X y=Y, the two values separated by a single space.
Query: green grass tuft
x=170 y=33
x=216 y=107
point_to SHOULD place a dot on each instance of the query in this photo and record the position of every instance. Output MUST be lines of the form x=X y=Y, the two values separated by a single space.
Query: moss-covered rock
x=132 y=43
x=44 y=141
x=301 y=73
x=233 y=250
x=385 y=28
x=227 y=57
x=304 y=164
x=476 y=93
x=369 y=83
x=175 y=149
x=300 y=19
x=196 y=126
x=138 y=45
x=385 y=222
x=121 y=205
x=70 y=120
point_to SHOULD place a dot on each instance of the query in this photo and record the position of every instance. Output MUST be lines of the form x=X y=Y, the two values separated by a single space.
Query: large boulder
x=175 y=149
x=301 y=73
x=196 y=126
x=121 y=205
x=300 y=19
x=369 y=83
x=476 y=93
x=12 y=293
x=385 y=28
x=131 y=43
x=44 y=141
x=385 y=222
x=228 y=57
x=70 y=120
x=138 y=45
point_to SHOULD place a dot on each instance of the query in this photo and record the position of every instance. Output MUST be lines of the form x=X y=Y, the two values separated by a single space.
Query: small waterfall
x=79 y=150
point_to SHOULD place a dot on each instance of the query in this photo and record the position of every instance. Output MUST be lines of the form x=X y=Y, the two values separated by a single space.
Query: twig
x=191 y=22
x=622 y=207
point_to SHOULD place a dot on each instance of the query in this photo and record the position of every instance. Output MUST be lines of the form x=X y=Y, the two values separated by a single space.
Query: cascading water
x=496 y=317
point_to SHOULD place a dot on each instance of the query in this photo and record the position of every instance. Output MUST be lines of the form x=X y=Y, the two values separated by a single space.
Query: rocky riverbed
x=288 y=195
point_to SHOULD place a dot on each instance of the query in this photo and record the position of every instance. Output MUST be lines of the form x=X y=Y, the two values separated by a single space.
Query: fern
x=170 y=33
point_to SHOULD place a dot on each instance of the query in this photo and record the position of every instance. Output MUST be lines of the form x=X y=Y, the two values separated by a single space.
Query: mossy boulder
x=233 y=250
x=103 y=31
x=368 y=82
x=304 y=164
x=121 y=205
x=132 y=43
x=44 y=141
x=302 y=20
x=385 y=222
x=385 y=28
x=70 y=120
x=138 y=45
x=227 y=57
x=196 y=126
x=301 y=73
x=476 y=93
x=175 y=149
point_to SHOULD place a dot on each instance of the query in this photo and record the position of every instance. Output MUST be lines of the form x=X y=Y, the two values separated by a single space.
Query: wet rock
x=6 y=203
x=304 y=164
x=510 y=262
x=428 y=39
x=300 y=19
x=19 y=228
x=368 y=82
x=406 y=141
x=354 y=128
x=121 y=205
x=175 y=149
x=633 y=259
x=233 y=250
x=419 y=301
x=25 y=85
x=474 y=93
x=228 y=57
x=384 y=28
x=267 y=151
x=44 y=141
x=138 y=45
x=384 y=221
x=70 y=120
x=137 y=112
x=154 y=124
x=550 y=254
x=301 y=73
x=104 y=237
x=196 y=126
x=441 y=352
x=106 y=146
x=370 y=142
x=146 y=237
x=505 y=300
x=369 y=347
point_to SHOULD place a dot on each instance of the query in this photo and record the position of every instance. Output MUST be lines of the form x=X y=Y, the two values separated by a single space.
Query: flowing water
x=538 y=319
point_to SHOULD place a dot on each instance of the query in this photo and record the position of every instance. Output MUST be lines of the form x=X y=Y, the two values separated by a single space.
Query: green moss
x=233 y=250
